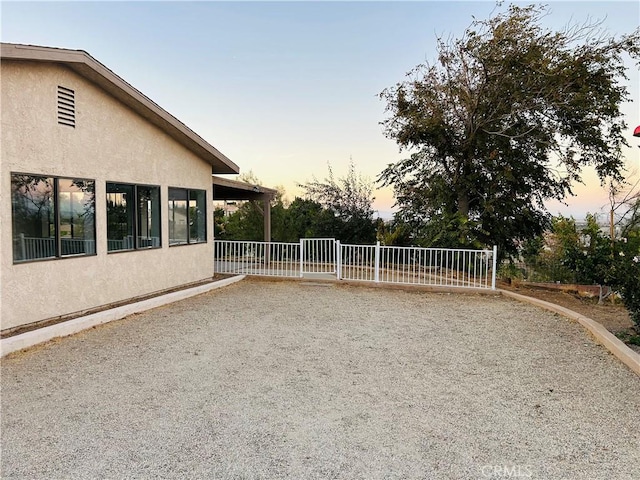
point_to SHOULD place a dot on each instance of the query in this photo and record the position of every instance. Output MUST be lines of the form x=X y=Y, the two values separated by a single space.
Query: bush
x=624 y=275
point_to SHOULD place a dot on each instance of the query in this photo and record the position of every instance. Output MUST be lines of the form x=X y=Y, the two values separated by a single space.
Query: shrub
x=624 y=275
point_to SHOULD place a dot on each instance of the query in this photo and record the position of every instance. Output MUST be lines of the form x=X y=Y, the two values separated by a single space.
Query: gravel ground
x=306 y=380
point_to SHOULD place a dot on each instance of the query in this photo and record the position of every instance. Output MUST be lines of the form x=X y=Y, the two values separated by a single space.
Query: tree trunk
x=463 y=204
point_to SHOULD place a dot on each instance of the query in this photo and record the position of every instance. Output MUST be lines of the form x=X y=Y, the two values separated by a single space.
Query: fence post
x=267 y=254
x=338 y=260
x=495 y=263
x=301 y=257
x=215 y=255
x=376 y=274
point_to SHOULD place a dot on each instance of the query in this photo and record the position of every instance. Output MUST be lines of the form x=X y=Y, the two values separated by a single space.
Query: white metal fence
x=418 y=266
x=319 y=255
x=368 y=263
x=257 y=258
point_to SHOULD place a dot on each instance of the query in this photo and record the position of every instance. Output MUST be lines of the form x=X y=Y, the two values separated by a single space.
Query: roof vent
x=66 y=107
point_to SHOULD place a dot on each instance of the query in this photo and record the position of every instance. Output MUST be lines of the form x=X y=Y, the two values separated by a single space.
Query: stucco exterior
x=110 y=143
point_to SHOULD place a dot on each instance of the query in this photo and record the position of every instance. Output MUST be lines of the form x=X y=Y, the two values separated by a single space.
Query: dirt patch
x=611 y=314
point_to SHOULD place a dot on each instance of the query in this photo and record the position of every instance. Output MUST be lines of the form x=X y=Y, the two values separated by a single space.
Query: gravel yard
x=305 y=380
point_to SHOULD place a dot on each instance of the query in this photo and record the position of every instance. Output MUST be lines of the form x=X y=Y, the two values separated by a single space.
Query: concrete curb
x=41 y=335
x=603 y=336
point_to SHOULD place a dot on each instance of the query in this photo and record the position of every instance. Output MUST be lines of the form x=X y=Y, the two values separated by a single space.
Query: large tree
x=505 y=119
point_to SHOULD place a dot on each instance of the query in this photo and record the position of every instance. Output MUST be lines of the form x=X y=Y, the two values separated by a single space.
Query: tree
x=219 y=223
x=307 y=219
x=624 y=199
x=247 y=222
x=504 y=120
x=350 y=200
x=588 y=255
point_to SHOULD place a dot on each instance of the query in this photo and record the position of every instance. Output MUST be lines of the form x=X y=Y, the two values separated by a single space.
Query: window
x=133 y=217
x=187 y=216
x=52 y=217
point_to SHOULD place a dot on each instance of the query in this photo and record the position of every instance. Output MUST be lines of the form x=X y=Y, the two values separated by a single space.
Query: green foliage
x=488 y=124
x=219 y=223
x=629 y=338
x=308 y=219
x=587 y=255
x=545 y=256
x=347 y=197
x=569 y=255
x=333 y=208
x=350 y=200
x=393 y=233
x=246 y=223
x=303 y=218
x=623 y=273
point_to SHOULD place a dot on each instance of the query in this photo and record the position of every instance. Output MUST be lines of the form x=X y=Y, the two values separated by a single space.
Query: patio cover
x=225 y=189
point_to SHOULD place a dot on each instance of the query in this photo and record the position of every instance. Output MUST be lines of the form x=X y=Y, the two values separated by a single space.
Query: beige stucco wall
x=110 y=143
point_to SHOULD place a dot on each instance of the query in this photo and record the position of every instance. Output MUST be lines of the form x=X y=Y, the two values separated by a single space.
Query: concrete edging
x=41 y=335
x=603 y=336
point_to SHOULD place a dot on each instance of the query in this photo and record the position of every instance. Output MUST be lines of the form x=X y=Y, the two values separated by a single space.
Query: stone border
x=603 y=336
x=29 y=339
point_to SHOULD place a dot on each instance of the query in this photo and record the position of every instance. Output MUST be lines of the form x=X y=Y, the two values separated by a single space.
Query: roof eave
x=237 y=190
x=88 y=67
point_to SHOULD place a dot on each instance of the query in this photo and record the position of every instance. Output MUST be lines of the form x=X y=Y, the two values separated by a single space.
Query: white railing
x=358 y=262
x=257 y=258
x=75 y=246
x=367 y=263
x=32 y=248
x=418 y=266
x=127 y=243
x=318 y=255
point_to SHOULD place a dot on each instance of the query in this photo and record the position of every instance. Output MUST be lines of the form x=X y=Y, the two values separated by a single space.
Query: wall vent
x=66 y=107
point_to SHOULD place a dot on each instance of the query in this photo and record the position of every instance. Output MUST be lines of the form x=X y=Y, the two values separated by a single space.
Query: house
x=105 y=196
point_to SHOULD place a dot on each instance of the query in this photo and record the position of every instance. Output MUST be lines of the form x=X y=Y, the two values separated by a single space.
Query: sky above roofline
x=283 y=88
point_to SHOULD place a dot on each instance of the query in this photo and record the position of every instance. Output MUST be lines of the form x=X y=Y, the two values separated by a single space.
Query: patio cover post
x=266 y=211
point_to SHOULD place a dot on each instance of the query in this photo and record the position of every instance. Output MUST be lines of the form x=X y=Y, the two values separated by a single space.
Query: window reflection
x=120 y=215
x=76 y=207
x=52 y=217
x=187 y=216
x=148 y=217
x=178 y=219
x=197 y=216
x=133 y=216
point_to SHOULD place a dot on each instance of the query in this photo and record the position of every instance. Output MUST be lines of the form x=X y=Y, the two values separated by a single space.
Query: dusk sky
x=284 y=88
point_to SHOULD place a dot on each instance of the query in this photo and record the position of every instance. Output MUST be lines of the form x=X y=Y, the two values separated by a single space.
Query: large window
x=133 y=216
x=187 y=216
x=52 y=217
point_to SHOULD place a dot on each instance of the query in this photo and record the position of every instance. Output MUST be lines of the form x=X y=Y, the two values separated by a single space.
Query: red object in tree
x=636 y=132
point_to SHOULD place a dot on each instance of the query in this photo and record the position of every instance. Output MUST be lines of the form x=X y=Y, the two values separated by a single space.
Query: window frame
x=57 y=238
x=187 y=193
x=136 y=211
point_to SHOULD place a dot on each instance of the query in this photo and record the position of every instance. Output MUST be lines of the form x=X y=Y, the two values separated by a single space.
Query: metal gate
x=318 y=255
